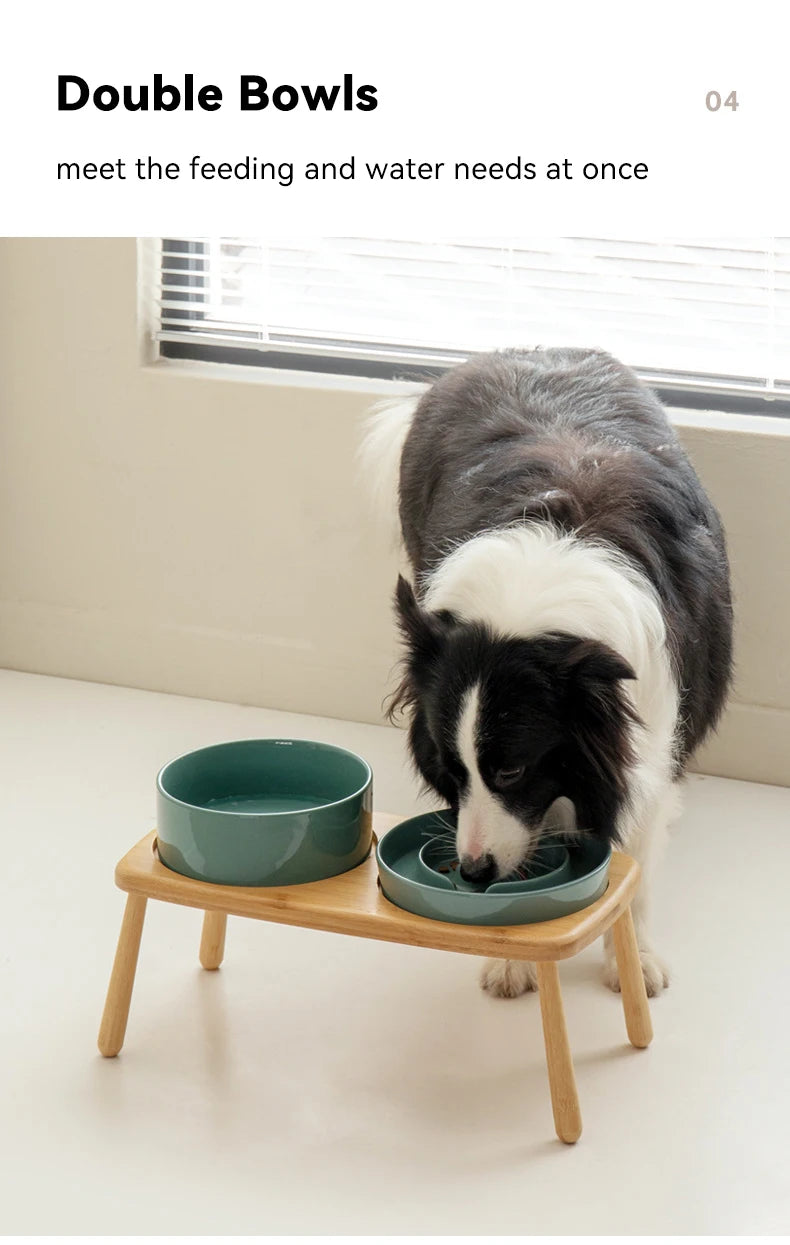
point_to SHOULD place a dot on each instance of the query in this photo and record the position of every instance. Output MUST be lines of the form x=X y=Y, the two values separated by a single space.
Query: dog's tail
x=385 y=430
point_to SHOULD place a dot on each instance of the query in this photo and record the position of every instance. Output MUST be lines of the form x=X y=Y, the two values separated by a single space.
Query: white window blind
x=710 y=314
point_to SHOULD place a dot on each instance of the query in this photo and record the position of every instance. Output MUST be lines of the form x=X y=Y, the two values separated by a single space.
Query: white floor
x=323 y=1084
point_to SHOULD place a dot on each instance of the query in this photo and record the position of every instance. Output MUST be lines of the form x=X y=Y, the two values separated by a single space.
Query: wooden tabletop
x=352 y=903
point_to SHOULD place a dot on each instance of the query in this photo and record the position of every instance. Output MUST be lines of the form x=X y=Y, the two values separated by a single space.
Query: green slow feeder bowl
x=264 y=812
x=438 y=865
x=565 y=880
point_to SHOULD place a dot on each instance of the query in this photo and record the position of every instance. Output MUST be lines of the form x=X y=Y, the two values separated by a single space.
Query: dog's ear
x=423 y=631
x=592 y=665
x=600 y=719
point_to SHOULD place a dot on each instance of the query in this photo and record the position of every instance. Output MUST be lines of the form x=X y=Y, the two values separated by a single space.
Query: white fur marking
x=483 y=824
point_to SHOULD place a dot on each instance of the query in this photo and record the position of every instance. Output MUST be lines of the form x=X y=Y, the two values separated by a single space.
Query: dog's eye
x=508 y=777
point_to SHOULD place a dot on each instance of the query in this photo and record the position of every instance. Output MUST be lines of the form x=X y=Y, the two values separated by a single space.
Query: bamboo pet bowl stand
x=352 y=903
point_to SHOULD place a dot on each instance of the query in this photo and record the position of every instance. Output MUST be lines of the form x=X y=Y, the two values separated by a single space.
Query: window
x=705 y=321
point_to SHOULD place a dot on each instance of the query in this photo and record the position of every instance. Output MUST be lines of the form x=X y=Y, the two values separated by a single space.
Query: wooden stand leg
x=212 y=942
x=632 y=984
x=119 y=993
x=562 y=1081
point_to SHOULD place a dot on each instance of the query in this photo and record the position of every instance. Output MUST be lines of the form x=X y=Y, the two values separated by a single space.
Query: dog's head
x=503 y=728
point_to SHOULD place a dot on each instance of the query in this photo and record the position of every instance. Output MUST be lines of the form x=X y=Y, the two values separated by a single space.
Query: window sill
x=377 y=388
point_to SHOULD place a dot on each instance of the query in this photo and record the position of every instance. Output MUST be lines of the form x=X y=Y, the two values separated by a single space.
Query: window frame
x=730 y=395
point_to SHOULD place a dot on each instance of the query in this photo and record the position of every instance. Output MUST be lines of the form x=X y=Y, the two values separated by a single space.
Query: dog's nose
x=480 y=870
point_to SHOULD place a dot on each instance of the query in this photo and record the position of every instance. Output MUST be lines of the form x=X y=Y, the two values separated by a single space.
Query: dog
x=568 y=628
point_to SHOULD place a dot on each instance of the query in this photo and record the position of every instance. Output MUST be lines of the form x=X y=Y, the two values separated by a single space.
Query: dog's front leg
x=507 y=979
x=654 y=969
x=646 y=845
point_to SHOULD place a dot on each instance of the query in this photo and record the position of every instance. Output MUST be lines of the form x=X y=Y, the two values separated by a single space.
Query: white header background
x=484 y=82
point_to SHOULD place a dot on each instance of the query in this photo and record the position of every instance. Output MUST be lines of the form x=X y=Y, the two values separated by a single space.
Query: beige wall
x=176 y=529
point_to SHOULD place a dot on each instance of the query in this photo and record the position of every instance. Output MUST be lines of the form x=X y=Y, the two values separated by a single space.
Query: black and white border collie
x=568 y=630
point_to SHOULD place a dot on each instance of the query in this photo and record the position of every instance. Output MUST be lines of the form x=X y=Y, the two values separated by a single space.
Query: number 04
x=713 y=101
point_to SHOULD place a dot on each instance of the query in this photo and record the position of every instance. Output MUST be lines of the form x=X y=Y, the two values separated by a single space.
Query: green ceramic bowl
x=575 y=877
x=264 y=812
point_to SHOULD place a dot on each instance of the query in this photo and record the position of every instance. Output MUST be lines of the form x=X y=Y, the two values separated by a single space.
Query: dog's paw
x=507 y=979
x=654 y=971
